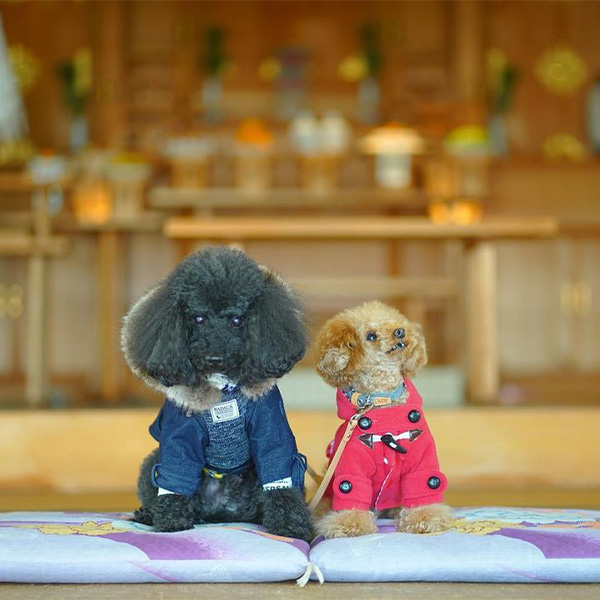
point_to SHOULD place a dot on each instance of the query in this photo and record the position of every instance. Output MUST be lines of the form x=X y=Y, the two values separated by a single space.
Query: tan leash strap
x=352 y=423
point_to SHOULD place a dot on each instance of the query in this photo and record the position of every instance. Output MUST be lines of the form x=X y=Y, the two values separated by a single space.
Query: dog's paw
x=347 y=523
x=431 y=518
x=143 y=515
x=172 y=512
x=285 y=513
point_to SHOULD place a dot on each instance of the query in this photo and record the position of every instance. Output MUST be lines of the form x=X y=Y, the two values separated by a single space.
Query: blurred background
x=441 y=156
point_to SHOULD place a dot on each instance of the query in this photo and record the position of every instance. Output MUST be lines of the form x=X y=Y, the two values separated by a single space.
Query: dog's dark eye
x=400 y=333
x=236 y=321
x=371 y=336
x=200 y=319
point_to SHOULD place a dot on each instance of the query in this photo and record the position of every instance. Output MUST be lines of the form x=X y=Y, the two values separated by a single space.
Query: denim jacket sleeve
x=182 y=440
x=272 y=442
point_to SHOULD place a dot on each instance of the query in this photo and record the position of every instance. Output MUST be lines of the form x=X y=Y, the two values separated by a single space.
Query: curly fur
x=347 y=523
x=285 y=512
x=347 y=359
x=171 y=352
x=431 y=518
x=233 y=498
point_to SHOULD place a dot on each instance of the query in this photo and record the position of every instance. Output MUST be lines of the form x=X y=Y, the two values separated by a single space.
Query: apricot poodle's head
x=370 y=348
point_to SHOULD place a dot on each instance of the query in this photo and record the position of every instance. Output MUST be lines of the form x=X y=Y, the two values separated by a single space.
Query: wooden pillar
x=35 y=371
x=109 y=127
x=36 y=300
x=481 y=323
x=454 y=347
x=468 y=56
x=110 y=272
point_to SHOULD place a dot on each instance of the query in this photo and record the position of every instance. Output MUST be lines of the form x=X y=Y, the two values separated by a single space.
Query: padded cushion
x=106 y=548
x=486 y=544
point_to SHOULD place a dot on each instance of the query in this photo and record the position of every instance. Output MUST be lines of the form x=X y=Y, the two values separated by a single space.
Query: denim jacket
x=233 y=436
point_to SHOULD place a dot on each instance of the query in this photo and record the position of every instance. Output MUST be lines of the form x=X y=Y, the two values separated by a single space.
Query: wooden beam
x=16 y=243
x=170 y=198
x=381 y=287
x=354 y=227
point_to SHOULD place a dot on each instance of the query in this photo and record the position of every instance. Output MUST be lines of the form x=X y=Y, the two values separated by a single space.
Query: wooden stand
x=37 y=244
x=253 y=171
x=189 y=172
x=320 y=173
x=478 y=288
x=111 y=238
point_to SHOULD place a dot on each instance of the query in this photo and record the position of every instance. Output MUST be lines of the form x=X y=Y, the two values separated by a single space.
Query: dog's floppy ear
x=276 y=336
x=155 y=338
x=416 y=356
x=339 y=348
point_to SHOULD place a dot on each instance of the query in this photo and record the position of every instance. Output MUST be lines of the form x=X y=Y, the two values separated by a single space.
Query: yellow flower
x=353 y=68
x=87 y=528
x=269 y=69
x=82 y=62
x=479 y=527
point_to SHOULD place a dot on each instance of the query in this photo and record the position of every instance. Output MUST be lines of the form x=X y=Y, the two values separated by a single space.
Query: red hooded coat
x=371 y=474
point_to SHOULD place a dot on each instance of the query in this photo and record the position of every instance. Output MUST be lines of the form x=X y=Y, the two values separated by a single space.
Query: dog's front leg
x=172 y=512
x=352 y=522
x=285 y=513
x=430 y=518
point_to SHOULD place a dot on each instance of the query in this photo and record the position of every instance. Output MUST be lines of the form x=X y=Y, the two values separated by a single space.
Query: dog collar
x=377 y=399
x=222 y=382
x=212 y=473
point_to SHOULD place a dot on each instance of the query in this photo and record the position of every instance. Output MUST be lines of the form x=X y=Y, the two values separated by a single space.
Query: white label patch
x=226 y=411
x=280 y=484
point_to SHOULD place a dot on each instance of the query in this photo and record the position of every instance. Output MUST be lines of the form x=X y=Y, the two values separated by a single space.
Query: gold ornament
x=269 y=69
x=561 y=70
x=563 y=145
x=26 y=66
x=353 y=68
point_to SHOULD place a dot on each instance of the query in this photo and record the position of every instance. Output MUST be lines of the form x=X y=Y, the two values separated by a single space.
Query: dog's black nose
x=214 y=361
x=400 y=333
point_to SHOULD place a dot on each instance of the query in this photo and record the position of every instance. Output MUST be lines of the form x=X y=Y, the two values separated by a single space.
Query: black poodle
x=213 y=337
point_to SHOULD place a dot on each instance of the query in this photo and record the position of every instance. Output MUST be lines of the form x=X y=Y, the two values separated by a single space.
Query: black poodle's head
x=217 y=312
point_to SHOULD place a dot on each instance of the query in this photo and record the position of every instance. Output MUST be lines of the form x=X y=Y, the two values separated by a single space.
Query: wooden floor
x=330 y=591
x=540 y=497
